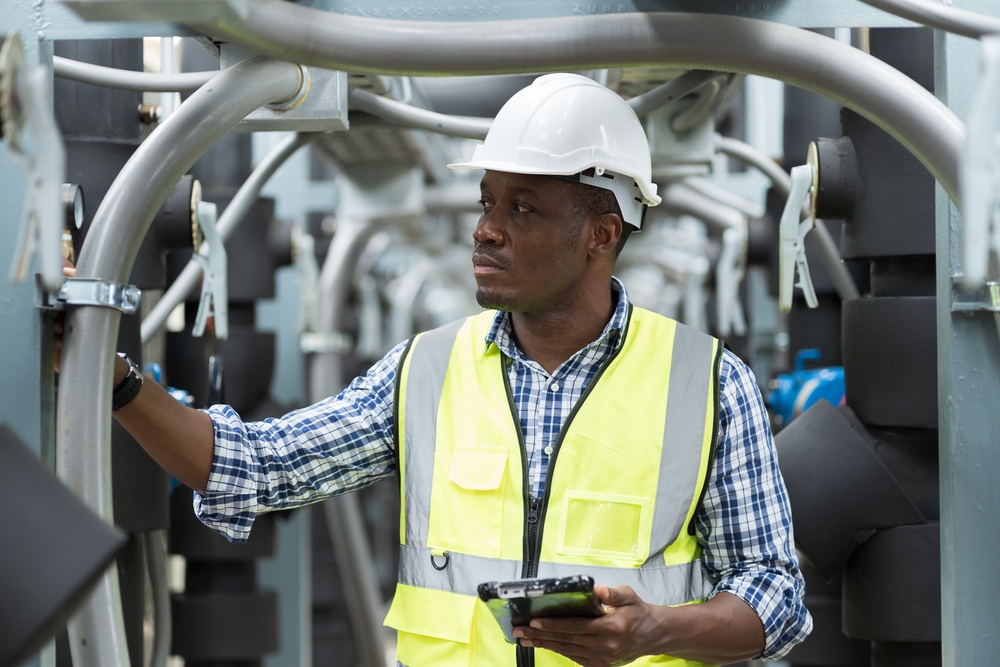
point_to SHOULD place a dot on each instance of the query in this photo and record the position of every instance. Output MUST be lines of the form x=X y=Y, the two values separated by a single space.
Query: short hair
x=598 y=201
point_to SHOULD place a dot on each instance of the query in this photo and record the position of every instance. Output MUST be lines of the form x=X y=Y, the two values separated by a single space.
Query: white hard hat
x=566 y=124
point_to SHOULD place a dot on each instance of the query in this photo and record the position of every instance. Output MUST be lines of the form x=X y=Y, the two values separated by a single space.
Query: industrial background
x=813 y=157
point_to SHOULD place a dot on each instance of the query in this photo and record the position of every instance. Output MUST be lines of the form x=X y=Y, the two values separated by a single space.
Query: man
x=565 y=433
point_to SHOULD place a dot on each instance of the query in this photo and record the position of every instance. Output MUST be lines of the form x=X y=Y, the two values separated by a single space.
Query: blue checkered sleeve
x=337 y=445
x=744 y=523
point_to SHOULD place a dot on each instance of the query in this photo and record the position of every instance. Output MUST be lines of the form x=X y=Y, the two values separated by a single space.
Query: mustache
x=491 y=253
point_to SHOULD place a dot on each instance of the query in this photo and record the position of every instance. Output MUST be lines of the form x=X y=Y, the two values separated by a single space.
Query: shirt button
x=548 y=450
x=554 y=386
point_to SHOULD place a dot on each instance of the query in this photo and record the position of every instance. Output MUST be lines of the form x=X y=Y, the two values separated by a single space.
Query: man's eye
x=487 y=205
x=521 y=208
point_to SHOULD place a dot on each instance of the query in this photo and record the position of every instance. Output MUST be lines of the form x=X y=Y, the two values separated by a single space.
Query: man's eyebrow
x=515 y=190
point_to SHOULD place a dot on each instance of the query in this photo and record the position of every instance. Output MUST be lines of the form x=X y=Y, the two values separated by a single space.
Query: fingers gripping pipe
x=681 y=40
x=83 y=433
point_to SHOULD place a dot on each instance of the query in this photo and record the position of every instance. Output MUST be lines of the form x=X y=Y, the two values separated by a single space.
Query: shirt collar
x=501 y=332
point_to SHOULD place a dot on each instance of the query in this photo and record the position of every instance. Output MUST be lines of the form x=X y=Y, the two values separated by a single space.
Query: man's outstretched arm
x=180 y=439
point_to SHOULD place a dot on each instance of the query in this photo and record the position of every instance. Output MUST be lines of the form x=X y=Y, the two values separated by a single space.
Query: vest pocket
x=604 y=525
x=433 y=627
x=467 y=511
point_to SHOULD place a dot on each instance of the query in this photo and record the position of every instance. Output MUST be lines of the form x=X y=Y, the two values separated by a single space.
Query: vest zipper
x=535 y=508
x=525 y=655
x=536 y=547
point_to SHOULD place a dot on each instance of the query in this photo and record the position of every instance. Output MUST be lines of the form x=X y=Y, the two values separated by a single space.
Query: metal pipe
x=421 y=119
x=672 y=90
x=880 y=93
x=83 y=416
x=718 y=216
x=128 y=80
x=470 y=127
x=156 y=560
x=941 y=16
x=346 y=525
x=230 y=219
x=720 y=194
x=829 y=253
x=343 y=513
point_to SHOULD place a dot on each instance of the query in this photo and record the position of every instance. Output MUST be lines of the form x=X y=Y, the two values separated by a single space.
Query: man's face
x=531 y=248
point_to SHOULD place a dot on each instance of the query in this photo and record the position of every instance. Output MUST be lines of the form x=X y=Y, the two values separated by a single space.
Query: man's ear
x=607 y=230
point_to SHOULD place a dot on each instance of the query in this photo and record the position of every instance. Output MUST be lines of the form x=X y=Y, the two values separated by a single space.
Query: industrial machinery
x=254 y=194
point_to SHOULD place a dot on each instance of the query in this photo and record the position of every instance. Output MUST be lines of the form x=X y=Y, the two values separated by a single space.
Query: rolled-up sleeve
x=745 y=524
x=337 y=445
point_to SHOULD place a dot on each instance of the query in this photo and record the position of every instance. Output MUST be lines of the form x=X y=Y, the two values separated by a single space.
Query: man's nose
x=488 y=231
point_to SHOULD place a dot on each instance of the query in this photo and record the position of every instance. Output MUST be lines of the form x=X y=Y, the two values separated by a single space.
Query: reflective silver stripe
x=425 y=381
x=691 y=372
x=462 y=574
x=663 y=584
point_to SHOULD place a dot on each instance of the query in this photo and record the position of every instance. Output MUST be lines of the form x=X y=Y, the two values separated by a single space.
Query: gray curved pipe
x=941 y=16
x=83 y=414
x=156 y=560
x=421 y=119
x=718 y=216
x=672 y=90
x=855 y=79
x=343 y=513
x=476 y=128
x=111 y=77
x=237 y=209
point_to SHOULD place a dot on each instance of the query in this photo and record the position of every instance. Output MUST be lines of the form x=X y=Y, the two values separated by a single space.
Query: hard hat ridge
x=565 y=124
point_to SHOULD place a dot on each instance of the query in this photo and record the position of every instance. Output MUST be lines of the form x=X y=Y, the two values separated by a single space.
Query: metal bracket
x=985 y=298
x=215 y=274
x=89 y=292
x=333 y=342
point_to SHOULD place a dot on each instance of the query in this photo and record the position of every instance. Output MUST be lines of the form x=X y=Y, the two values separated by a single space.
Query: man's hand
x=722 y=630
x=630 y=629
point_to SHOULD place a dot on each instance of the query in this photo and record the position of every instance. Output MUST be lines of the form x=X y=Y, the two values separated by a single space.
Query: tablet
x=514 y=603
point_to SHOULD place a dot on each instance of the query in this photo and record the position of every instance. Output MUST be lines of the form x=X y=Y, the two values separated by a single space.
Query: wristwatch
x=129 y=387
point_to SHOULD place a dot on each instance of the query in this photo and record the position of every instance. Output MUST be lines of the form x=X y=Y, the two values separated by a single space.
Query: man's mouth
x=484 y=264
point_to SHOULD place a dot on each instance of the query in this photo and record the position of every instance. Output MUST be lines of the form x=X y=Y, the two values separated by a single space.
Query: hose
x=672 y=90
x=230 y=219
x=829 y=254
x=156 y=560
x=415 y=117
x=941 y=16
x=680 y=40
x=343 y=513
x=83 y=413
x=128 y=80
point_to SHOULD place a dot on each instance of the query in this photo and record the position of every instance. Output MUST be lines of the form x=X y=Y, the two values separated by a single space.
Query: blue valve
x=794 y=393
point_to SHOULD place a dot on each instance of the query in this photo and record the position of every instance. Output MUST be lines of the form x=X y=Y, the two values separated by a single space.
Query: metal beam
x=968 y=384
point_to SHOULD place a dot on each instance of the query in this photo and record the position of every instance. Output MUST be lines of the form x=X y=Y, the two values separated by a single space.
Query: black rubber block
x=890 y=360
x=892 y=586
x=225 y=626
x=839 y=490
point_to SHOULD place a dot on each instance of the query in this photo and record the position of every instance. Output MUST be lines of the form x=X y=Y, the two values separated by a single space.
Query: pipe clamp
x=88 y=292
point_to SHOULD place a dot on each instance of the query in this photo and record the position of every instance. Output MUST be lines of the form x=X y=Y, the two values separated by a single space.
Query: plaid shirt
x=346 y=442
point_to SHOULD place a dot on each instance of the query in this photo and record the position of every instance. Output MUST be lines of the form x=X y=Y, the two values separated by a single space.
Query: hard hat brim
x=650 y=197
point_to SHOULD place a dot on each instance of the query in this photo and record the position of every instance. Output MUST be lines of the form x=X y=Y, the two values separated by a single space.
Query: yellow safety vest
x=624 y=481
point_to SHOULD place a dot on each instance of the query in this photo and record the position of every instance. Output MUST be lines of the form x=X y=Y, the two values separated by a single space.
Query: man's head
x=568 y=175
x=540 y=239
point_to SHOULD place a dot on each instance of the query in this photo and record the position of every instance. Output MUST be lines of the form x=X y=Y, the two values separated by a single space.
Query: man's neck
x=552 y=337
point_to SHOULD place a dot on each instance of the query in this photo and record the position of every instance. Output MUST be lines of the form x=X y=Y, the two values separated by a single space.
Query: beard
x=495 y=300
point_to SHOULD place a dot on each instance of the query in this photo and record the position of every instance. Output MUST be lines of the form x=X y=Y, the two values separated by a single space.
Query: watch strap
x=129 y=387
